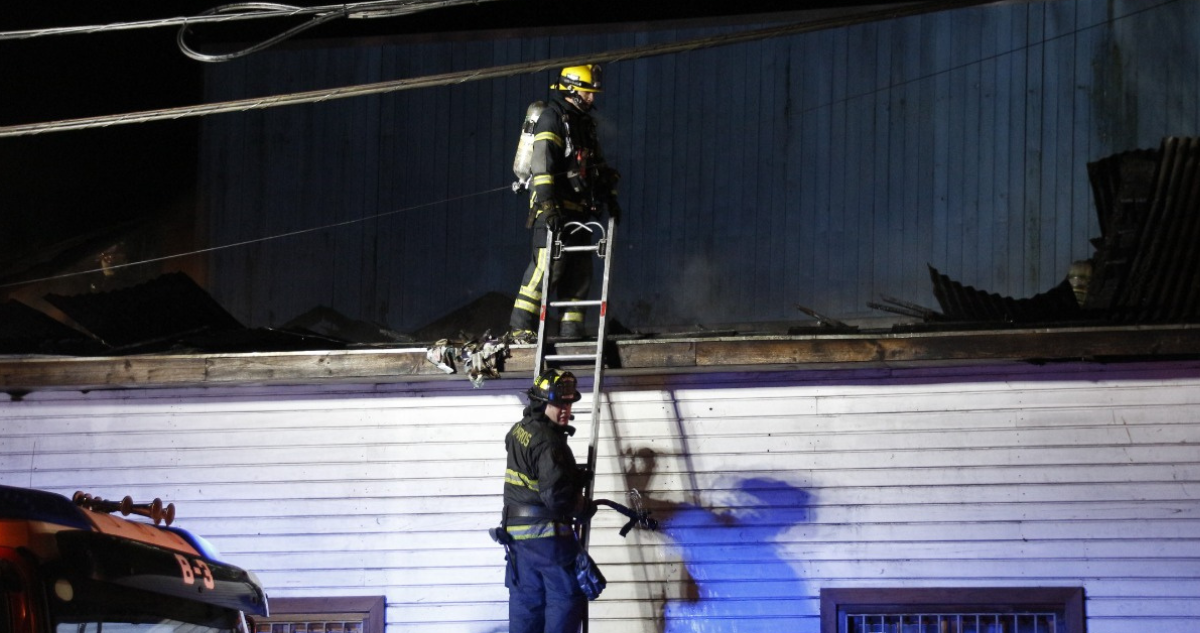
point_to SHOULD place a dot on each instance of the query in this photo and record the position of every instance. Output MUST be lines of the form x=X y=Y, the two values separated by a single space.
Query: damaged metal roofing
x=1145 y=269
x=966 y=303
x=168 y=313
x=24 y=330
x=1149 y=256
x=163 y=308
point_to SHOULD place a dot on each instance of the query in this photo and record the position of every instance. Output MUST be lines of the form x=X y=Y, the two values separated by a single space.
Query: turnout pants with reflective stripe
x=544 y=597
x=570 y=280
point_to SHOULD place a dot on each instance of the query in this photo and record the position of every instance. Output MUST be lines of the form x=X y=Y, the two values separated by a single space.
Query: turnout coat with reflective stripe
x=541 y=472
x=566 y=158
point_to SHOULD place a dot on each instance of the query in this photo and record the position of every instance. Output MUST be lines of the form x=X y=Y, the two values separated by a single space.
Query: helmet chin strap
x=578 y=101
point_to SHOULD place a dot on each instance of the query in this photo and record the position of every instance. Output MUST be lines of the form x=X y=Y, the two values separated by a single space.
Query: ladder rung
x=570 y=357
x=541 y=361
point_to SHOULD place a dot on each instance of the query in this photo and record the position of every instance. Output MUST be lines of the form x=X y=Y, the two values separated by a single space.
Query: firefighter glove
x=553 y=221
x=613 y=177
x=614 y=211
x=552 y=214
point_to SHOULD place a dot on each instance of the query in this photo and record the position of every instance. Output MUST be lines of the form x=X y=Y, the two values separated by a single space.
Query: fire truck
x=73 y=566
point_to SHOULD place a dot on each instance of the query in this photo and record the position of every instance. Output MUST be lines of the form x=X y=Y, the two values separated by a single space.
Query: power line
x=496 y=72
x=376 y=9
x=539 y=66
x=256 y=240
x=247 y=11
x=241 y=7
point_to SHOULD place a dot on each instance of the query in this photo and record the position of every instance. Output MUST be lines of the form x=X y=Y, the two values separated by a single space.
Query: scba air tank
x=523 y=162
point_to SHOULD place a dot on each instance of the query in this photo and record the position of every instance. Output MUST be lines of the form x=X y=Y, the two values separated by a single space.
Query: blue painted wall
x=824 y=169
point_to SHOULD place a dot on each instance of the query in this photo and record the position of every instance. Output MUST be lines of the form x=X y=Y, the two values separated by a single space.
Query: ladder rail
x=547 y=260
x=555 y=250
x=585 y=527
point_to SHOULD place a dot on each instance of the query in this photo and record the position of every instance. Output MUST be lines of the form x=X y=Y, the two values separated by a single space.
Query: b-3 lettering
x=189 y=569
x=185 y=566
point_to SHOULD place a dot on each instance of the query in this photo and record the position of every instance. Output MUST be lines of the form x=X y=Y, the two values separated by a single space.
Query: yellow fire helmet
x=554 y=387
x=579 y=79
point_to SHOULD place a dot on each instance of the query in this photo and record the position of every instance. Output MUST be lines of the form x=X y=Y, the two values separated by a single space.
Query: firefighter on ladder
x=543 y=496
x=570 y=183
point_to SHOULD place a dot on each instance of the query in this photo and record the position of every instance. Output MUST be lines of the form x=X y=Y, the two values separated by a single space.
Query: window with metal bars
x=323 y=615
x=953 y=610
x=951 y=623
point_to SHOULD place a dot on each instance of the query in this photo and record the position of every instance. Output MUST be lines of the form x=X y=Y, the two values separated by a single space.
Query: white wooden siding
x=770 y=486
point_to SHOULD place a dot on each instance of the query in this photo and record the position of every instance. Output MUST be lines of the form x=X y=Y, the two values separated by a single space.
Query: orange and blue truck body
x=67 y=567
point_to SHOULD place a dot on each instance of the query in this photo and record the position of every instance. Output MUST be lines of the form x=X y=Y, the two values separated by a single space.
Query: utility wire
x=379 y=8
x=256 y=240
x=243 y=7
x=144 y=24
x=369 y=9
x=496 y=72
x=489 y=191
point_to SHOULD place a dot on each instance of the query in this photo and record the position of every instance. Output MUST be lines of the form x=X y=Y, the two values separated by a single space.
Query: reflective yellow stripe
x=534 y=287
x=572 y=314
x=519 y=479
x=539 y=530
x=544 y=179
x=527 y=306
x=549 y=136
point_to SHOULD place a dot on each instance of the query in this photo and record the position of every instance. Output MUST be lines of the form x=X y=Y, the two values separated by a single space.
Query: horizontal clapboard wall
x=825 y=169
x=769 y=486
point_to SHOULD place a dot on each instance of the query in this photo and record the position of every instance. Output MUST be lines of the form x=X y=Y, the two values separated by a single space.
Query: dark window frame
x=370 y=609
x=899 y=600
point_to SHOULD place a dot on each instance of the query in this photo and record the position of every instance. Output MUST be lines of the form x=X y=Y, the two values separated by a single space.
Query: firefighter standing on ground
x=570 y=183
x=543 y=494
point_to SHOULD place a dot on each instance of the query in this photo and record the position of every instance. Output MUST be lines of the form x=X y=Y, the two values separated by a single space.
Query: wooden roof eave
x=21 y=374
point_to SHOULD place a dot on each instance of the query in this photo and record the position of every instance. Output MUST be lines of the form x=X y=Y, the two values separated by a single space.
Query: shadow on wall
x=734 y=577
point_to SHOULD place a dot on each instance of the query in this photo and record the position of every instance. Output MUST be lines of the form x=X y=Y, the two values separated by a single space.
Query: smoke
x=609 y=134
x=697 y=297
x=694 y=294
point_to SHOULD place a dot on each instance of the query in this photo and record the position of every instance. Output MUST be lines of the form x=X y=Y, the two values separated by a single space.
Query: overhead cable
x=243 y=8
x=367 y=9
x=495 y=72
x=257 y=240
x=464 y=196
x=376 y=9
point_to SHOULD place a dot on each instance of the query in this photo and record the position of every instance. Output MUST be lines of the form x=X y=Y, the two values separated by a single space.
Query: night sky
x=59 y=188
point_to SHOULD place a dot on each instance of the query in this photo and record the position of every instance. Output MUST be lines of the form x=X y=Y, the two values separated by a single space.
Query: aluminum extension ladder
x=602 y=248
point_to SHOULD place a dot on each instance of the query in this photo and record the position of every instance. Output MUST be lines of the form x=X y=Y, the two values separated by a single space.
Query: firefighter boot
x=521 y=337
x=571 y=329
